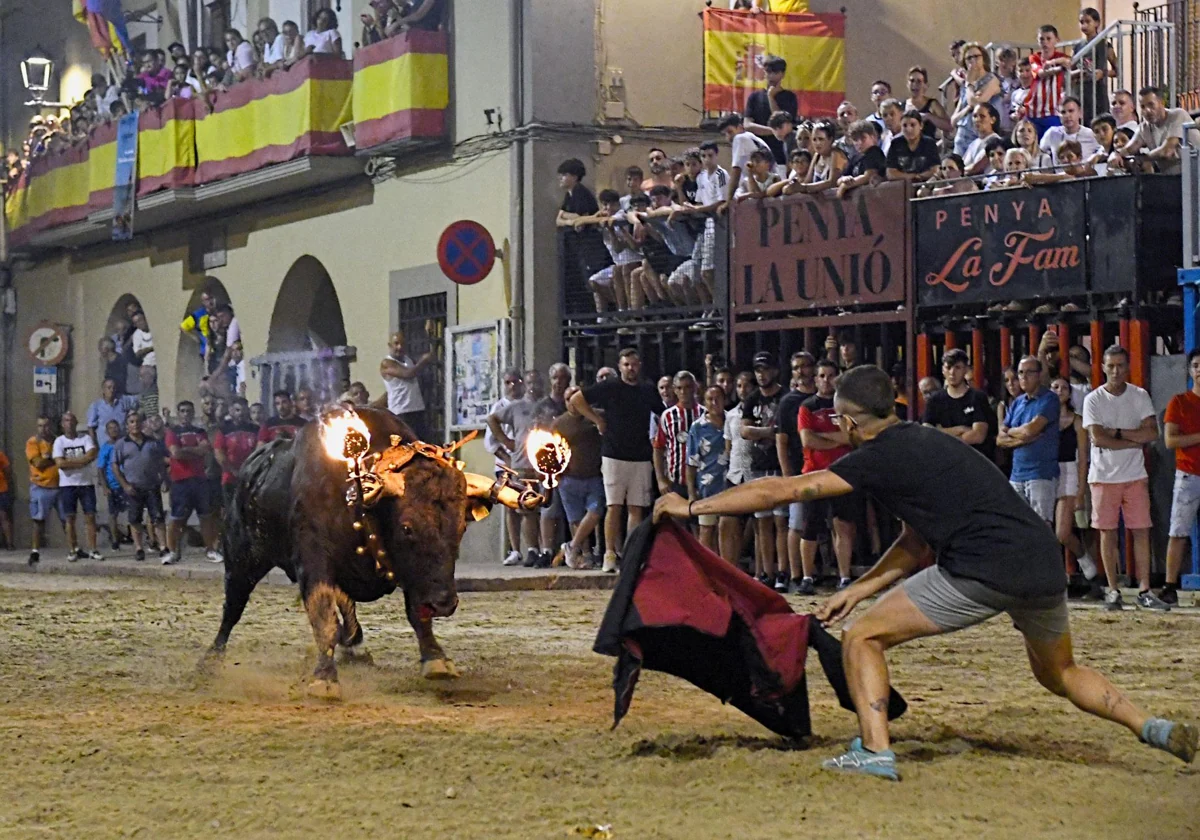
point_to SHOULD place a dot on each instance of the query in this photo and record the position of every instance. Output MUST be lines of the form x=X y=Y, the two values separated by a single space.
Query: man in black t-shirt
x=992 y=554
x=759 y=413
x=584 y=246
x=868 y=166
x=626 y=453
x=913 y=156
x=959 y=410
x=789 y=447
x=761 y=104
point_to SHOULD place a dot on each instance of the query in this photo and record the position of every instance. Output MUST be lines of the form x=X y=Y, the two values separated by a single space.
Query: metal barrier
x=1146 y=54
x=1185 y=15
x=1189 y=282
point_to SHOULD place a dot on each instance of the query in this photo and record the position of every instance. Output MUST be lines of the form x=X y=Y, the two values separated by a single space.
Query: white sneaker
x=171 y=559
x=1087 y=565
x=95 y=555
x=610 y=563
x=513 y=559
x=571 y=557
x=214 y=556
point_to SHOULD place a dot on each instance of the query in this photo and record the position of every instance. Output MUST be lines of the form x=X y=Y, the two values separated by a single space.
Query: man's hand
x=670 y=505
x=839 y=606
x=601 y=424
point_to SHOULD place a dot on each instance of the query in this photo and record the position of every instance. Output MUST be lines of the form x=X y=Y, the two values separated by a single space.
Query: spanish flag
x=737 y=43
x=106 y=22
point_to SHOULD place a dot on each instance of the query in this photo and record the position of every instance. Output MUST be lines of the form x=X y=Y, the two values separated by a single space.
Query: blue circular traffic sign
x=466 y=252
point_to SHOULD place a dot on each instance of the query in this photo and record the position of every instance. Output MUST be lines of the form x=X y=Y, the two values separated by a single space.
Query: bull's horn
x=482 y=490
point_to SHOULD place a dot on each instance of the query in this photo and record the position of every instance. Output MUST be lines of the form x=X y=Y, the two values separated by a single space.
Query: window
x=423 y=322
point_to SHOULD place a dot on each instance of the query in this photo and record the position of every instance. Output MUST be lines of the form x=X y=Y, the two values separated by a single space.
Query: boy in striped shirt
x=1049 y=73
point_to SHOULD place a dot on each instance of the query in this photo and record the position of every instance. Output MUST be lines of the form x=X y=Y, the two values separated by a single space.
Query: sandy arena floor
x=110 y=733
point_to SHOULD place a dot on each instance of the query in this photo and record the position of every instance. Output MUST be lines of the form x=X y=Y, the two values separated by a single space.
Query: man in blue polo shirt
x=1031 y=430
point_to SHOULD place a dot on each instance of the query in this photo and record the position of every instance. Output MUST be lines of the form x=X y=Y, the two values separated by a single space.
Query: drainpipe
x=518 y=117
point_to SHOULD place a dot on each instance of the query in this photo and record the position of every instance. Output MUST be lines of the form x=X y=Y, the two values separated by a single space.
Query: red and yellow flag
x=737 y=43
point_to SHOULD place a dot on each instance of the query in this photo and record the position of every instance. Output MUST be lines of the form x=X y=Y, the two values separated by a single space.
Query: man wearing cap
x=758 y=426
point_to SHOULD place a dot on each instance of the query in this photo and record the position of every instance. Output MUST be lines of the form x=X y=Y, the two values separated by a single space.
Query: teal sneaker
x=858 y=759
x=1179 y=739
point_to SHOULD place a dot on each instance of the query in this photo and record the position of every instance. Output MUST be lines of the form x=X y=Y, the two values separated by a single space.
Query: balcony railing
x=394 y=94
x=1185 y=37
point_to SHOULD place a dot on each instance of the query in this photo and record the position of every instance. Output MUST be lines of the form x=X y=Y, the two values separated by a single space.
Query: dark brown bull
x=289 y=510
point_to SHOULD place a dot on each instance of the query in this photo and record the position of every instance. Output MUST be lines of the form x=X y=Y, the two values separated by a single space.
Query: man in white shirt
x=75 y=454
x=403 y=387
x=1120 y=420
x=143 y=341
x=514 y=389
x=1072 y=128
x=276 y=44
x=712 y=185
x=744 y=144
x=892 y=112
x=1159 y=137
x=240 y=55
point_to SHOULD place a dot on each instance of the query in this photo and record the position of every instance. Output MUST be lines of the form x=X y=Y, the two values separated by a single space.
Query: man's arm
x=781 y=452
x=391 y=369
x=1147 y=432
x=756 y=432
x=1175 y=440
x=691 y=481
x=1028 y=432
x=1169 y=150
x=821 y=440
x=763 y=494
x=1107 y=439
x=905 y=556
x=976 y=434
x=497 y=431
x=660 y=469
x=580 y=404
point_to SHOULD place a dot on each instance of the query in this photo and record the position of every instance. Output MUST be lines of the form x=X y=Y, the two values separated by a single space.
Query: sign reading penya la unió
x=803 y=252
x=1002 y=245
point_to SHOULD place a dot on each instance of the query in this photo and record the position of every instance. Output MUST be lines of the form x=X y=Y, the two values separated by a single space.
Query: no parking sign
x=466 y=252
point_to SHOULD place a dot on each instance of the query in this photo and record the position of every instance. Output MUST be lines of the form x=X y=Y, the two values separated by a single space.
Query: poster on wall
x=125 y=186
x=475 y=356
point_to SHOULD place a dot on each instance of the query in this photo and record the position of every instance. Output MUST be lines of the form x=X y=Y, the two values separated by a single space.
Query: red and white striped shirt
x=1046 y=92
x=672 y=436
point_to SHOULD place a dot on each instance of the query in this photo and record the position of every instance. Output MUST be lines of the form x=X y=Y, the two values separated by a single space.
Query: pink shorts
x=1109 y=501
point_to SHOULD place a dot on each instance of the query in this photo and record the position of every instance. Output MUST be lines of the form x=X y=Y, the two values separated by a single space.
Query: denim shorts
x=146 y=501
x=187 y=495
x=581 y=496
x=71 y=498
x=1185 y=502
x=1041 y=494
x=41 y=501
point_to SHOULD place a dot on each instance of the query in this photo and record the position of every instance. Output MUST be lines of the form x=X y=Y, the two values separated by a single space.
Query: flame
x=548 y=452
x=345 y=436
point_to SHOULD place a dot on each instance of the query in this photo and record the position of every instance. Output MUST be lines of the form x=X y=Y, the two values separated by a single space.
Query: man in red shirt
x=285 y=423
x=823 y=444
x=1049 y=67
x=188 y=445
x=1182 y=433
x=234 y=442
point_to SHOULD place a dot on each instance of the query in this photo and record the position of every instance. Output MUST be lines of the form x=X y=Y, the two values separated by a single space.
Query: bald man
x=402 y=386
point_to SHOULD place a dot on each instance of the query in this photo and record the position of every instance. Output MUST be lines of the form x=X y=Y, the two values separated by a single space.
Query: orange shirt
x=35 y=447
x=3 y=473
x=1184 y=411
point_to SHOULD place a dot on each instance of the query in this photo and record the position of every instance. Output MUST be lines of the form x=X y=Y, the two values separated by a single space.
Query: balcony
x=259 y=140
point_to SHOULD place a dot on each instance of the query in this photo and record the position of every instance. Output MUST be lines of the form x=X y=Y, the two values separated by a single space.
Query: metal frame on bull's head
x=370 y=476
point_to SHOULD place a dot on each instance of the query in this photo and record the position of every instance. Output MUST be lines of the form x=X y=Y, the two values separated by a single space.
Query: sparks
x=345 y=436
x=549 y=453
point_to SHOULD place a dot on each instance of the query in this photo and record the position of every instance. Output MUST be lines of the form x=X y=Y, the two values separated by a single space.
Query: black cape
x=681 y=609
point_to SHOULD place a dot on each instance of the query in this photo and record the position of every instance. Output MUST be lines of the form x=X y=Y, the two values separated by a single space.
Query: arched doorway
x=190 y=367
x=306 y=343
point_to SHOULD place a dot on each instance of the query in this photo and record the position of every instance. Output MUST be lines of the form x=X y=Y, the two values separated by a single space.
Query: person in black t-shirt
x=913 y=156
x=759 y=413
x=959 y=410
x=626 y=453
x=584 y=247
x=761 y=104
x=992 y=554
x=868 y=166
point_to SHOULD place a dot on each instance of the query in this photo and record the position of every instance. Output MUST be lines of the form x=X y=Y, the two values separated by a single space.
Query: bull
x=399 y=526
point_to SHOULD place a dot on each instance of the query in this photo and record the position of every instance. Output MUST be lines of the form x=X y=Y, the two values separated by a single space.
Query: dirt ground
x=110 y=732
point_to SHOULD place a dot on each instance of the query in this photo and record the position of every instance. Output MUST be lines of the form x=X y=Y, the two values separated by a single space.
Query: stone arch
x=189 y=365
x=306 y=341
x=307 y=314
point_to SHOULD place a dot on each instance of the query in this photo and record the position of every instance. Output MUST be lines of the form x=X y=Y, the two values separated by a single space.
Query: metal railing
x=1190 y=158
x=1184 y=15
x=1146 y=53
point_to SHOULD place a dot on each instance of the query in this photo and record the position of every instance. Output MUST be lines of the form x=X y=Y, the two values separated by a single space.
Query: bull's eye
x=406 y=529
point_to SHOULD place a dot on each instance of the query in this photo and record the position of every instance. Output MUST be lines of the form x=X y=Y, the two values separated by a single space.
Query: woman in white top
x=828 y=163
x=323 y=37
x=985 y=119
x=1025 y=137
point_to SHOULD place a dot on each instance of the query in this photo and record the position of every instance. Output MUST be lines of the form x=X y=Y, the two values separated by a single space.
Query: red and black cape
x=681 y=609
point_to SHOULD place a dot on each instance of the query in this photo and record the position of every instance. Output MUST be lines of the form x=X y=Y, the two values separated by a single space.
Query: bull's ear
x=477 y=510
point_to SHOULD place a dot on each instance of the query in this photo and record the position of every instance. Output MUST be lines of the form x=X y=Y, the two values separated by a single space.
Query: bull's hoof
x=439 y=669
x=325 y=690
x=356 y=655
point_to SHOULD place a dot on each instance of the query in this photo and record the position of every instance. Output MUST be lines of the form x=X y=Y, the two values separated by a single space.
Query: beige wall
x=658 y=45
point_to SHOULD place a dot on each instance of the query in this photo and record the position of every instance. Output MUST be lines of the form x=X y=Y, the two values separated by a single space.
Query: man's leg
x=893 y=620
x=843 y=546
x=1109 y=551
x=6 y=530
x=1141 y=556
x=636 y=514
x=729 y=536
x=513 y=521
x=613 y=523
x=781 y=545
x=209 y=532
x=529 y=530
x=765 y=540
x=583 y=531
x=1054 y=666
x=39 y=534
x=72 y=539
x=1176 y=550
x=89 y=526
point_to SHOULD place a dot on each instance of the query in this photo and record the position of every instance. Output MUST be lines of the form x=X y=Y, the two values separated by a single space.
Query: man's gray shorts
x=1041 y=494
x=955 y=603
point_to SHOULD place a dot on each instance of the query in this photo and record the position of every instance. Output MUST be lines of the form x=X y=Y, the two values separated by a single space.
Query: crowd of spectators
x=155 y=76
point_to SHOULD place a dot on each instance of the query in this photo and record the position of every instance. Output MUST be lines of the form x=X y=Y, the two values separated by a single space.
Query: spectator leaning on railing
x=1159 y=139
x=323 y=38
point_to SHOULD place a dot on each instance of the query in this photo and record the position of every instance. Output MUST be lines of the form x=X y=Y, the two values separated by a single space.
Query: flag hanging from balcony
x=125 y=180
x=106 y=22
x=737 y=43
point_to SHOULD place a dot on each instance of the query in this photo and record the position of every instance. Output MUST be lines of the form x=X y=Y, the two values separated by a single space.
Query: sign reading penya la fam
x=802 y=252
x=1012 y=244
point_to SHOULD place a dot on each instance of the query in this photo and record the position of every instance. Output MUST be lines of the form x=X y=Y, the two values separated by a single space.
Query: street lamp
x=36 y=70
